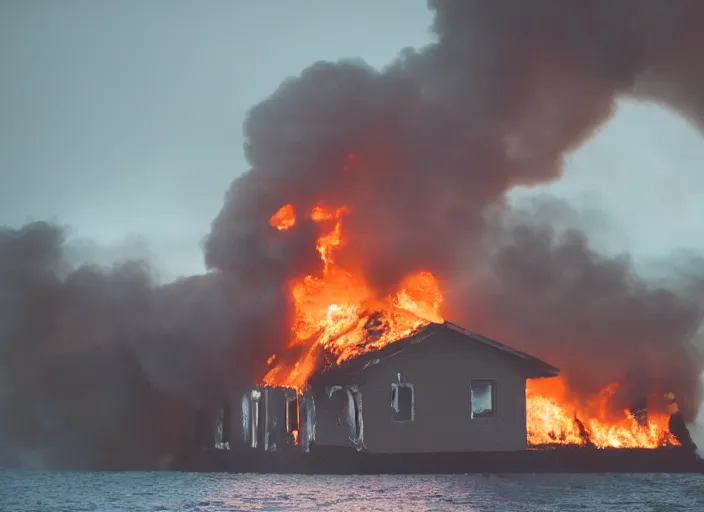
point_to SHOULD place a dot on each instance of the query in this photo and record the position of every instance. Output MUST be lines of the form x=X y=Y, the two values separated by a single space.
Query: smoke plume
x=105 y=368
x=424 y=149
x=547 y=291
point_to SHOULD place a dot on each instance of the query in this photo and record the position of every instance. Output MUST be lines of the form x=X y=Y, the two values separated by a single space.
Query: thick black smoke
x=105 y=368
x=432 y=142
x=545 y=290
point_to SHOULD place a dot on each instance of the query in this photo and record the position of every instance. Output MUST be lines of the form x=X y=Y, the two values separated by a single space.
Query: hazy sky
x=123 y=118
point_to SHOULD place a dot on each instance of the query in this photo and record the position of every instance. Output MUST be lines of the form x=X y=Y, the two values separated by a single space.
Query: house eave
x=545 y=373
x=351 y=369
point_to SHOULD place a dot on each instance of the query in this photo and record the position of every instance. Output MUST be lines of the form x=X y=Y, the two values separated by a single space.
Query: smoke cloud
x=545 y=290
x=423 y=150
x=102 y=367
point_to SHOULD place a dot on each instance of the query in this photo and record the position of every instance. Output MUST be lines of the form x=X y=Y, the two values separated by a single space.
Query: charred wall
x=265 y=418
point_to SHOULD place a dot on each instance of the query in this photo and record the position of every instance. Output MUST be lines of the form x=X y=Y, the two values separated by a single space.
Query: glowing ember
x=284 y=219
x=339 y=314
x=552 y=417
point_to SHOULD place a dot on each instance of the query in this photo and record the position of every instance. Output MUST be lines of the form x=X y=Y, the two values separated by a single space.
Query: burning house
x=443 y=389
x=388 y=374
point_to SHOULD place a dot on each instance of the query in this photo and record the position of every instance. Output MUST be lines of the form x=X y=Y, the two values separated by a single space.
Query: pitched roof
x=538 y=368
x=548 y=368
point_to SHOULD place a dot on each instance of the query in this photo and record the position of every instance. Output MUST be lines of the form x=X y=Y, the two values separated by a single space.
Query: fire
x=553 y=417
x=338 y=314
x=283 y=219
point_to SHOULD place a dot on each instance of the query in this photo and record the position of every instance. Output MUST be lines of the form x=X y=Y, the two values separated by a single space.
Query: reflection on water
x=133 y=492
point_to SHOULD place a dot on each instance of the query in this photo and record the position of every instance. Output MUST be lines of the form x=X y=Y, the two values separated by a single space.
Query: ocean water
x=23 y=491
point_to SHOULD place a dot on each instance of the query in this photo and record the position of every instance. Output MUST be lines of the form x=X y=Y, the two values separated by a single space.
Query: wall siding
x=440 y=369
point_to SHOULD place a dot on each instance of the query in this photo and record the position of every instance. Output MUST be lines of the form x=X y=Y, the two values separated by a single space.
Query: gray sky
x=123 y=119
x=643 y=171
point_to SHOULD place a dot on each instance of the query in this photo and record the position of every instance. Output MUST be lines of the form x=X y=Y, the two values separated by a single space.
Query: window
x=350 y=417
x=482 y=398
x=291 y=414
x=254 y=412
x=402 y=402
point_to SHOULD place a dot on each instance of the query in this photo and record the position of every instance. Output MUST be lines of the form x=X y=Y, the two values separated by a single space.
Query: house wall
x=333 y=423
x=263 y=418
x=440 y=369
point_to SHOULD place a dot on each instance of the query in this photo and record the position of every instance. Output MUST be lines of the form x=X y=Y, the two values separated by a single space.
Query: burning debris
x=555 y=415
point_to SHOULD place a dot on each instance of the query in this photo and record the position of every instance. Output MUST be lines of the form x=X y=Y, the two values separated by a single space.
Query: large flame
x=338 y=316
x=554 y=416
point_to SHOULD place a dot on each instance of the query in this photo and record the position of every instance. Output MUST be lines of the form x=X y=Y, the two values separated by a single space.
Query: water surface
x=22 y=491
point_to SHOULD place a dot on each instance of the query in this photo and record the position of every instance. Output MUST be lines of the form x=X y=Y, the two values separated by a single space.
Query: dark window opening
x=259 y=439
x=291 y=414
x=482 y=399
x=402 y=402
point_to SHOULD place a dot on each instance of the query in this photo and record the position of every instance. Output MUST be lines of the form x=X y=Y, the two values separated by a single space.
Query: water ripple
x=22 y=491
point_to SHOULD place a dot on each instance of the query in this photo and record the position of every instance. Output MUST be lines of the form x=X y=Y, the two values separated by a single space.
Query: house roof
x=548 y=368
x=537 y=367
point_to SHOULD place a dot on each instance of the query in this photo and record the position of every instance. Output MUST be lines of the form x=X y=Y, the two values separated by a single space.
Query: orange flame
x=339 y=314
x=284 y=218
x=554 y=417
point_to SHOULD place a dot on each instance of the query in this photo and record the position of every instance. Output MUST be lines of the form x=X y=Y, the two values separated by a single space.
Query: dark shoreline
x=334 y=461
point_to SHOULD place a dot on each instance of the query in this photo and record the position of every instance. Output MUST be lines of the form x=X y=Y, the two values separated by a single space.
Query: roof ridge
x=373 y=357
x=497 y=344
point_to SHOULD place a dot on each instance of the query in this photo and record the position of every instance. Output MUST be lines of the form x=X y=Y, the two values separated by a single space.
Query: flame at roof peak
x=338 y=315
